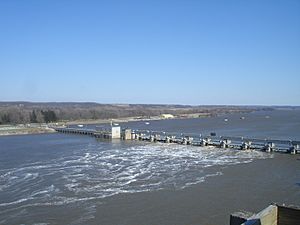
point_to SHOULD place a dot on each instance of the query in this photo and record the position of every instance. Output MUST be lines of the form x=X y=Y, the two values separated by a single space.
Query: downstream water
x=42 y=174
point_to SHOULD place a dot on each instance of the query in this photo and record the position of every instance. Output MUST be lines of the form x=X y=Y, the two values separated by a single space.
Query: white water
x=94 y=173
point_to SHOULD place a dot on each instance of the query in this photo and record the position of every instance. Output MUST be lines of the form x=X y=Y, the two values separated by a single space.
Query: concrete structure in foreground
x=272 y=215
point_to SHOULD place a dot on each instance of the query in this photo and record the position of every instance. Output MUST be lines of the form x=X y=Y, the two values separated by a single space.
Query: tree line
x=27 y=112
x=35 y=116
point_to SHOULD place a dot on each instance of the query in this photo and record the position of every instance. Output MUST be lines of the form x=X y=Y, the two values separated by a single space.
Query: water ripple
x=93 y=174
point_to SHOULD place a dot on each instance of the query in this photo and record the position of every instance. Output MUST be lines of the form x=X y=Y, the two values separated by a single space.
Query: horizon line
x=180 y=104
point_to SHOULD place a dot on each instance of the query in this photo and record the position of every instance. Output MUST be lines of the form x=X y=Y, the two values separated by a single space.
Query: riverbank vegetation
x=29 y=112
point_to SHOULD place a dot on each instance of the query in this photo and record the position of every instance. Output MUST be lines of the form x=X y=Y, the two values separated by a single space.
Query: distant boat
x=242 y=118
x=147 y=123
x=116 y=124
x=225 y=119
x=80 y=125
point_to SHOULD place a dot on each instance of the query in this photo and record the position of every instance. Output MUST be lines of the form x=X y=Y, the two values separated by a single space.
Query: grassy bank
x=22 y=129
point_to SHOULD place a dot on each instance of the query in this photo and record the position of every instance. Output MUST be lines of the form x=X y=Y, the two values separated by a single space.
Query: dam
x=242 y=143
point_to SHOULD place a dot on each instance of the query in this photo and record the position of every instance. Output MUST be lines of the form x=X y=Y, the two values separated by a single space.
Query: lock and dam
x=193 y=139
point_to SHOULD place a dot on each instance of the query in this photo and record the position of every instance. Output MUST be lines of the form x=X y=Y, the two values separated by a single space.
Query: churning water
x=64 y=169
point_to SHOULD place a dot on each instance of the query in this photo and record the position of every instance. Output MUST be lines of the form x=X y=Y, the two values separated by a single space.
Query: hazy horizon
x=116 y=103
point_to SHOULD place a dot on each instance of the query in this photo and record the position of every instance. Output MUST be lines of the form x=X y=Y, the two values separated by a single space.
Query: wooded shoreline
x=31 y=112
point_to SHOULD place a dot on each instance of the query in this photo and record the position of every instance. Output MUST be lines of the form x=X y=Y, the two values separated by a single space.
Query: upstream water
x=42 y=174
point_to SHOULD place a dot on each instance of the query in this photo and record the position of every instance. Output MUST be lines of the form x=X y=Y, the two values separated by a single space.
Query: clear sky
x=155 y=51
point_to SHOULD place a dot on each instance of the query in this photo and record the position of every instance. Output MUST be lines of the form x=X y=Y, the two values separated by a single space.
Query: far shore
x=42 y=128
x=23 y=129
x=142 y=118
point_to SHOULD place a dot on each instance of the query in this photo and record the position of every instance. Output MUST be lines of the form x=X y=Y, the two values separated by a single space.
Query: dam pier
x=242 y=143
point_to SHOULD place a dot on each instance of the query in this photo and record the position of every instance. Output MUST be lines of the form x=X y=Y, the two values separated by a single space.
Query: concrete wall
x=115 y=132
x=127 y=134
x=267 y=216
x=239 y=217
x=288 y=216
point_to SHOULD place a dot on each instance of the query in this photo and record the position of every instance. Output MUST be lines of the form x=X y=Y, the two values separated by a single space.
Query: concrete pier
x=294 y=149
x=115 y=132
x=246 y=145
x=225 y=143
x=168 y=139
x=269 y=147
x=205 y=142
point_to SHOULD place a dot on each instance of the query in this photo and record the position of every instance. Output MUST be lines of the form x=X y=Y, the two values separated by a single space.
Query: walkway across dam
x=243 y=143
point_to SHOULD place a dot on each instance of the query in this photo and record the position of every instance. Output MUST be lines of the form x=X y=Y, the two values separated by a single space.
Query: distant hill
x=40 y=112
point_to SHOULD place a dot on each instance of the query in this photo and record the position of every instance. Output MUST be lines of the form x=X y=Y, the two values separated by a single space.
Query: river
x=41 y=175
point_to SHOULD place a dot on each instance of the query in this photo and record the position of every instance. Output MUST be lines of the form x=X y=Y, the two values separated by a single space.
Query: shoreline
x=134 y=119
x=21 y=129
x=27 y=129
x=15 y=130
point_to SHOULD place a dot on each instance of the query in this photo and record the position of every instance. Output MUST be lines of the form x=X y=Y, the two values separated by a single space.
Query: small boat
x=242 y=118
x=225 y=119
x=80 y=125
x=147 y=123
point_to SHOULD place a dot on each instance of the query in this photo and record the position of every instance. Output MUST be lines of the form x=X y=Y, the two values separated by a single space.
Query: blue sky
x=175 y=52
